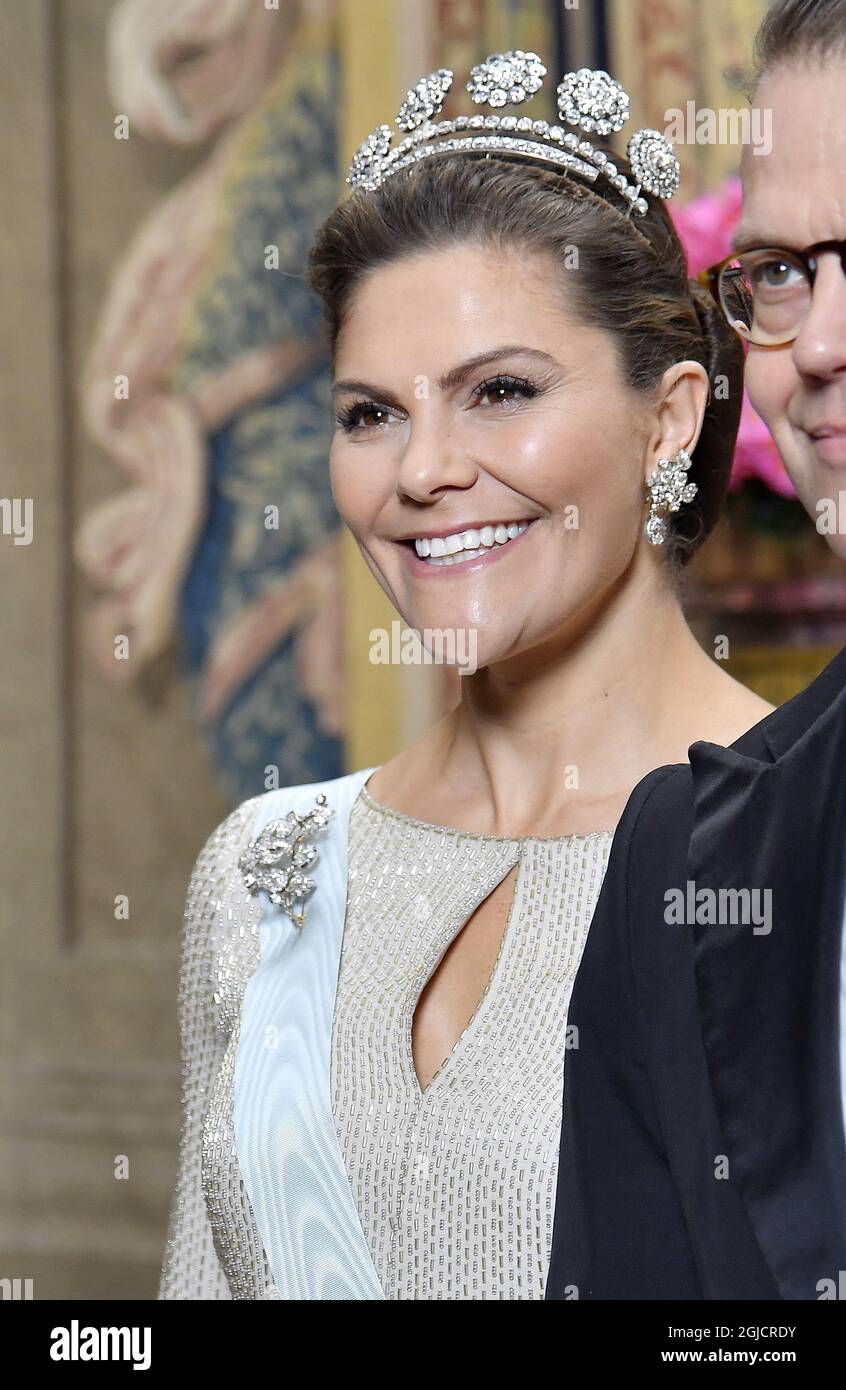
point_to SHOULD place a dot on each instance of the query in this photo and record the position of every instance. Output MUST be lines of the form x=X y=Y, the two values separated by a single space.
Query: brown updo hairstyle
x=631 y=280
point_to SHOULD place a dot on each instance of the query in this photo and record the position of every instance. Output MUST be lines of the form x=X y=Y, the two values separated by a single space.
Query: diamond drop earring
x=667 y=488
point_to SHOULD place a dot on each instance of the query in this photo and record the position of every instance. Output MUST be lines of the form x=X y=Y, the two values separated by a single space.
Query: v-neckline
x=447 y=1066
x=498 y=843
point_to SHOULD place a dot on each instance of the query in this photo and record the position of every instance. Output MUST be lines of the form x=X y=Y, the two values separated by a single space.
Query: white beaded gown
x=448 y=1192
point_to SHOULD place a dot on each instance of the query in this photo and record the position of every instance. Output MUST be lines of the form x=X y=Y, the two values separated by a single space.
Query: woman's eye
x=503 y=390
x=497 y=391
x=362 y=415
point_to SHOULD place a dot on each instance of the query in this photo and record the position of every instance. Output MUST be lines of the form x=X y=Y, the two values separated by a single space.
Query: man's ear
x=682 y=398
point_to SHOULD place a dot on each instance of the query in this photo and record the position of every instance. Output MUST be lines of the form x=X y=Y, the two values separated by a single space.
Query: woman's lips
x=422 y=570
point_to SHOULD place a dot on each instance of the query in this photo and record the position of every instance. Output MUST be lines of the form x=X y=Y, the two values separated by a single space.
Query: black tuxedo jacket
x=703 y=1152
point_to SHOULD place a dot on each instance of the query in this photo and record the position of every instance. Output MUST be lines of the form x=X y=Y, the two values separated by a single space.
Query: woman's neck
x=554 y=740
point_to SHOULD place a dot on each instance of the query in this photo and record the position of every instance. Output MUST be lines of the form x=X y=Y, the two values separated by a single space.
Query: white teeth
x=460 y=559
x=467 y=545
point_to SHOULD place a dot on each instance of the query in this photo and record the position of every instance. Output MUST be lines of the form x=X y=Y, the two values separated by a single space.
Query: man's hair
x=793 y=30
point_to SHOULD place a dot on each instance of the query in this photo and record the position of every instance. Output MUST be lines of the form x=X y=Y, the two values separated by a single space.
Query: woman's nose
x=432 y=460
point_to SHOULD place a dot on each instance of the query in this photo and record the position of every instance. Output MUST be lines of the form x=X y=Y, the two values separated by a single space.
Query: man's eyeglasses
x=765 y=293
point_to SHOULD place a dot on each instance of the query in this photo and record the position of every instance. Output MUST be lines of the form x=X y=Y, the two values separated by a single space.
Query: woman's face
x=433 y=442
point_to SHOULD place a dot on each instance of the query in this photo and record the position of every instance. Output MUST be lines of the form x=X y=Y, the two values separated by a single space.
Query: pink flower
x=705 y=226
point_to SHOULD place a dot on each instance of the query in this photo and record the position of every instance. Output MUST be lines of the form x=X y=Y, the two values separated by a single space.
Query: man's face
x=793 y=197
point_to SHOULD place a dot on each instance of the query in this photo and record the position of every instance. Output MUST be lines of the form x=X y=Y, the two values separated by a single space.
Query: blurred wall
x=102 y=795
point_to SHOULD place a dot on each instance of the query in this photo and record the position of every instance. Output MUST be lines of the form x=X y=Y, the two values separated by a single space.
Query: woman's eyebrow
x=450 y=378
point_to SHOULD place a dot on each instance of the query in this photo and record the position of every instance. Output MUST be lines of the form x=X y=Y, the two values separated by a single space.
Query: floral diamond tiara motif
x=276 y=860
x=588 y=100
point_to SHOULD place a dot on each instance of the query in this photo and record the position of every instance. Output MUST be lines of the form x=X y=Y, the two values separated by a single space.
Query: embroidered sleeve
x=191 y=1268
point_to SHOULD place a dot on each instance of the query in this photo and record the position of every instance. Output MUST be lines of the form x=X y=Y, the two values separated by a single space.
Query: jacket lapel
x=285 y=1137
x=769 y=816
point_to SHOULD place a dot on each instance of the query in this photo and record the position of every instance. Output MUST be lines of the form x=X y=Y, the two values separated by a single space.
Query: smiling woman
x=586 y=260
x=522 y=374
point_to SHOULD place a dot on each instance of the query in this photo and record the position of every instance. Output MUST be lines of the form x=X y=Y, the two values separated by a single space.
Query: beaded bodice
x=455 y=1185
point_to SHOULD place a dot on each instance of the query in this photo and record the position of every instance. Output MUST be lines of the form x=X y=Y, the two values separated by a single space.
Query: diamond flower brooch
x=276 y=860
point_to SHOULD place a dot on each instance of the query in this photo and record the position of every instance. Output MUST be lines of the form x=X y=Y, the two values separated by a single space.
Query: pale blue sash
x=287 y=1148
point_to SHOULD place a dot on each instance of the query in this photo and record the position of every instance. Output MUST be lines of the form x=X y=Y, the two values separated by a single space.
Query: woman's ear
x=682 y=398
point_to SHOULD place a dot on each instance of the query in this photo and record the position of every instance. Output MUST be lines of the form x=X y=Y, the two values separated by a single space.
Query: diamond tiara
x=589 y=100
